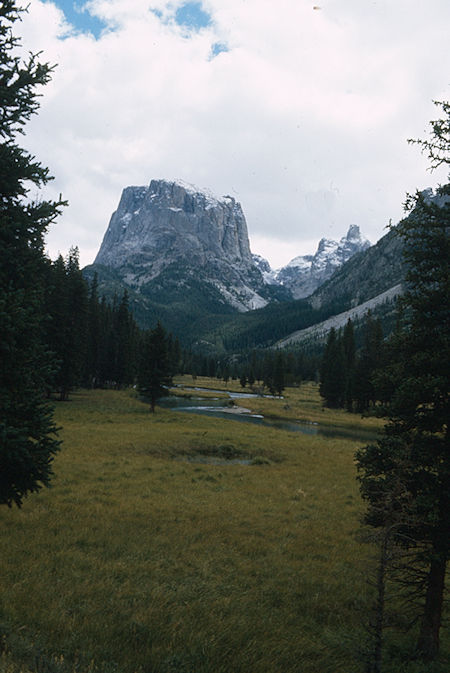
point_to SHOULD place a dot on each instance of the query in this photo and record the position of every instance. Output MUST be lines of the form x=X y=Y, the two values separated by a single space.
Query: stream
x=224 y=407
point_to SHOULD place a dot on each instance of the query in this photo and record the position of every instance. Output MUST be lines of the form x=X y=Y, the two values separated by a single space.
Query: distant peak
x=354 y=231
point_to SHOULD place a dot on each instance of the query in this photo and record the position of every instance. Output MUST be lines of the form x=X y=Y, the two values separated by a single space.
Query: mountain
x=369 y=279
x=170 y=238
x=304 y=274
x=183 y=255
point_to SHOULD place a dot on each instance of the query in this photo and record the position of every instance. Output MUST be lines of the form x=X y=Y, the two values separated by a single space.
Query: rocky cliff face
x=304 y=274
x=172 y=225
x=170 y=242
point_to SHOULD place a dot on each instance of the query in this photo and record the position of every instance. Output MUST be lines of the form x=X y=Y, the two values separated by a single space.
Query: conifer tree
x=409 y=467
x=27 y=433
x=332 y=373
x=67 y=307
x=154 y=374
x=278 y=374
x=369 y=360
x=91 y=376
x=348 y=343
x=123 y=344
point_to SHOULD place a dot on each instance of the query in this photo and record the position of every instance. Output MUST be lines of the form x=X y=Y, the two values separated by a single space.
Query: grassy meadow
x=145 y=557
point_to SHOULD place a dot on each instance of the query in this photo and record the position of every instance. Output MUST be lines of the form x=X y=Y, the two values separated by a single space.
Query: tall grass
x=142 y=558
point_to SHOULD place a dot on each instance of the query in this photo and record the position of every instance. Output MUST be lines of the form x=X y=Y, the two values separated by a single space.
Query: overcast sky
x=300 y=111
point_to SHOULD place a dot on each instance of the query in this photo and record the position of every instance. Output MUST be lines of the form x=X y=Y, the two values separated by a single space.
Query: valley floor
x=142 y=559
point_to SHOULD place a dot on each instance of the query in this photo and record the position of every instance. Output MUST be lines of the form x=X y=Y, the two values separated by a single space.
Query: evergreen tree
x=267 y=372
x=154 y=374
x=332 y=373
x=370 y=359
x=27 y=433
x=278 y=374
x=91 y=376
x=411 y=461
x=251 y=377
x=348 y=343
x=123 y=343
x=226 y=373
x=67 y=306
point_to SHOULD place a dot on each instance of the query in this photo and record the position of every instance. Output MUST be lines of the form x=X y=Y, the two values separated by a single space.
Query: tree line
x=94 y=343
x=271 y=370
x=347 y=373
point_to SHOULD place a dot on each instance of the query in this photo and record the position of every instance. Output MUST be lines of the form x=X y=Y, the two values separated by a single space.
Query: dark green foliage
x=185 y=312
x=370 y=359
x=67 y=330
x=333 y=373
x=155 y=370
x=27 y=433
x=349 y=346
x=405 y=477
x=91 y=374
x=124 y=345
x=278 y=374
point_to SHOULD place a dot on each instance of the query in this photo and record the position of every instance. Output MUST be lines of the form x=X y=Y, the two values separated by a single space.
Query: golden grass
x=138 y=560
x=301 y=403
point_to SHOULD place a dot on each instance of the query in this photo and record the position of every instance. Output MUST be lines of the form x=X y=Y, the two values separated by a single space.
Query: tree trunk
x=374 y=665
x=428 y=643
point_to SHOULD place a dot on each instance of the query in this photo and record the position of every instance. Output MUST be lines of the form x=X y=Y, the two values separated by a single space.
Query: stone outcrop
x=174 y=225
x=304 y=274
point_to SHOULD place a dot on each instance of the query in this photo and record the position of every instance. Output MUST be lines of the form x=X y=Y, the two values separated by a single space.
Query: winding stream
x=223 y=407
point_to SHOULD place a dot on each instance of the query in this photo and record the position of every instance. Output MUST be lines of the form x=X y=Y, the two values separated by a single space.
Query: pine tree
x=27 y=433
x=278 y=374
x=411 y=461
x=154 y=374
x=370 y=359
x=348 y=343
x=332 y=373
x=91 y=375
x=124 y=336
x=67 y=331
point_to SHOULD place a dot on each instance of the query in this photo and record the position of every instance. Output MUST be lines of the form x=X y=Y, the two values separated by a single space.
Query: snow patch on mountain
x=303 y=274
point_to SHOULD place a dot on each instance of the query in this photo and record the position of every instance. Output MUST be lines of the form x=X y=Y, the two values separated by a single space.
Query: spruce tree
x=154 y=374
x=367 y=363
x=91 y=374
x=28 y=439
x=409 y=467
x=348 y=342
x=279 y=374
x=124 y=344
x=332 y=372
x=67 y=331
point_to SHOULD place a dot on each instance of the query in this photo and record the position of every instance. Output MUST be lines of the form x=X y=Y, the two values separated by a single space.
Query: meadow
x=156 y=551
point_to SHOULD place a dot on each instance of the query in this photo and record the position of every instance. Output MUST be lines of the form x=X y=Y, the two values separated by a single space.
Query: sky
x=301 y=111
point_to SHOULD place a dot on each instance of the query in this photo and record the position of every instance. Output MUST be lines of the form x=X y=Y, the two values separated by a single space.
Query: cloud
x=302 y=115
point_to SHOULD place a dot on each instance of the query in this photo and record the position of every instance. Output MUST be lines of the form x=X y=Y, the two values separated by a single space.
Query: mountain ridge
x=167 y=233
x=305 y=273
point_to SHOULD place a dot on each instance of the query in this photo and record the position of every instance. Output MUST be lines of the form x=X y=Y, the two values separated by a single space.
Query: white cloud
x=304 y=119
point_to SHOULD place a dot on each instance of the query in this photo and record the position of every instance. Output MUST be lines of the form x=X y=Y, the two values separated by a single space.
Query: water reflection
x=222 y=408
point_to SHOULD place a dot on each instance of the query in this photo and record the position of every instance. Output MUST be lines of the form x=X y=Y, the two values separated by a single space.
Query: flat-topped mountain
x=175 y=219
x=173 y=225
x=184 y=257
